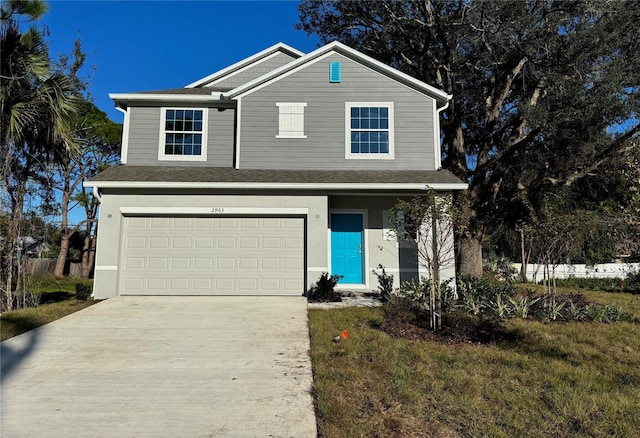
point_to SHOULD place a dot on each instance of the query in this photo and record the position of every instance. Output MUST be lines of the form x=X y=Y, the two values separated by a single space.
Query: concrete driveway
x=163 y=367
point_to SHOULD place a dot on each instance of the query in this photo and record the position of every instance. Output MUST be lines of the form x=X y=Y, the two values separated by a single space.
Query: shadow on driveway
x=16 y=350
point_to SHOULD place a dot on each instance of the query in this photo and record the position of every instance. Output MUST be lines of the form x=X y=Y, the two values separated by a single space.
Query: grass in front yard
x=554 y=379
x=22 y=320
x=57 y=298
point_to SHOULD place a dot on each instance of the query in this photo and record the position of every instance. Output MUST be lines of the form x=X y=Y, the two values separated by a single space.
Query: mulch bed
x=456 y=329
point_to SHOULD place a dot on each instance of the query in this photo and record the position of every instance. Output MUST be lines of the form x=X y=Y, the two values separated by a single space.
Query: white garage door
x=212 y=256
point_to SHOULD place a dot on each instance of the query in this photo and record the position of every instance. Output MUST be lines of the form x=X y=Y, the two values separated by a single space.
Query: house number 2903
x=217 y=210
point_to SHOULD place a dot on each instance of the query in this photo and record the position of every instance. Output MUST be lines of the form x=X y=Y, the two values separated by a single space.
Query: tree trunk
x=58 y=271
x=12 y=241
x=523 y=265
x=470 y=253
x=88 y=254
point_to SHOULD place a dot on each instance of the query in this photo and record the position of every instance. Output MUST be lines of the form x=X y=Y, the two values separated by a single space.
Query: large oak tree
x=544 y=92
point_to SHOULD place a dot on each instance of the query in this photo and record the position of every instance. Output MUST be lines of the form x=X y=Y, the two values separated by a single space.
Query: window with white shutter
x=291 y=120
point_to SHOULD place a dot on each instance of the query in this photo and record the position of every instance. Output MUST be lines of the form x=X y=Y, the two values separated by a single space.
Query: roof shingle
x=184 y=174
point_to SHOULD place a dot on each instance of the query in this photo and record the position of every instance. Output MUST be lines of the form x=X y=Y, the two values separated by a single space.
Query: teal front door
x=347 y=247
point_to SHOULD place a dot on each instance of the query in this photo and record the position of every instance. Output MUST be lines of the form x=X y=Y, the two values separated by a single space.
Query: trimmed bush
x=83 y=292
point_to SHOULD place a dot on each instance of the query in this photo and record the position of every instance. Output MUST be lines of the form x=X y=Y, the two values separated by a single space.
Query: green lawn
x=553 y=379
x=57 y=298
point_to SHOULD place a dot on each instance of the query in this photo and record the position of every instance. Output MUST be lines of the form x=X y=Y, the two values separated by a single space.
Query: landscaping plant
x=324 y=289
x=385 y=283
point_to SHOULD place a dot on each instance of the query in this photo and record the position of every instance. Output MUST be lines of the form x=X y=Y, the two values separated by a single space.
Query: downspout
x=125 y=134
x=446 y=105
x=96 y=194
x=438 y=114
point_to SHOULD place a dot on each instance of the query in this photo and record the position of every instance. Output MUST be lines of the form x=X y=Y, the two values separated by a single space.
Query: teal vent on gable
x=335 y=72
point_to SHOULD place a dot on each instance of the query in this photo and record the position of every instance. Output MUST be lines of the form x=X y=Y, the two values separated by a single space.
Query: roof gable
x=258 y=57
x=336 y=47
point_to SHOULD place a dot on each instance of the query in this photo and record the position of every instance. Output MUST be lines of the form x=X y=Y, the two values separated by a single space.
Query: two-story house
x=262 y=176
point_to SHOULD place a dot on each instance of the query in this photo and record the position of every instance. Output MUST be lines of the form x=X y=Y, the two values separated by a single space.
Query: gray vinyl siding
x=254 y=71
x=144 y=138
x=324 y=120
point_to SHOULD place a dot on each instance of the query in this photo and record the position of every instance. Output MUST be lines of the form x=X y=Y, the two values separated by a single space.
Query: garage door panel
x=157 y=284
x=160 y=223
x=158 y=242
x=217 y=256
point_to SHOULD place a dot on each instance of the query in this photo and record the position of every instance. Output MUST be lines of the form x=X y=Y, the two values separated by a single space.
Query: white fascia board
x=169 y=98
x=350 y=53
x=245 y=62
x=273 y=186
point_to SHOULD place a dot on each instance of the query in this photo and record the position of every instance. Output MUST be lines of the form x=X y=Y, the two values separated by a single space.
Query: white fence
x=605 y=270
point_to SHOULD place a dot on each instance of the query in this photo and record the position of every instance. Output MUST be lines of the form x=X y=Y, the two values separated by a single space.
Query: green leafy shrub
x=415 y=293
x=324 y=289
x=83 y=292
x=607 y=313
x=385 y=284
x=484 y=289
x=499 y=267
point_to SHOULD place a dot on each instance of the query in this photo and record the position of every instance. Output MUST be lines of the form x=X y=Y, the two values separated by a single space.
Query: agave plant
x=555 y=309
x=574 y=312
x=471 y=304
x=522 y=306
x=501 y=307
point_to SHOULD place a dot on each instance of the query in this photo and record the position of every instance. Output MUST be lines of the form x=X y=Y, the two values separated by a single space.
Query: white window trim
x=281 y=105
x=161 y=143
x=347 y=132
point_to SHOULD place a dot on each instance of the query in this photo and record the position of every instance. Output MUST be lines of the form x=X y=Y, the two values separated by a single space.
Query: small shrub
x=83 y=292
x=501 y=306
x=484 y=288
x=522 y=305
x=449 y=296
x=607 y=313
x=632 y=282
x=416 y=293
x=385 y=284
x=499 y=267
x=324 y=289
x=472 y=304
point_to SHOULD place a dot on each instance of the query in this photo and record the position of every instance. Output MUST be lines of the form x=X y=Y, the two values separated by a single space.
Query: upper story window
x=183 y=134
x=369 y=130
x=291 y=119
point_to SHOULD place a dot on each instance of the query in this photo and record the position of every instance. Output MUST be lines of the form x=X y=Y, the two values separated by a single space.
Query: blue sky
x=147 y=45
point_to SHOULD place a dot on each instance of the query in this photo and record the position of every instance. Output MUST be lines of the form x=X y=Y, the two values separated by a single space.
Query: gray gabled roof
x=199 y=91
x=189 y=91
x=279 y=47
x=439 y=95
x=128 y=176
